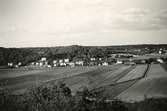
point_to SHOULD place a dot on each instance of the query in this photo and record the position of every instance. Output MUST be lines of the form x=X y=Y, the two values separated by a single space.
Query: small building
x=40 y=64
x=36 y=63
x=105 y=63
x=16 y=66
x=61 y=61
x=10 y=64
x=100 y=59
x=119 y=62
x=92 y=59
x=49 y=66
x=32 y=63
x=55 y=61
x=79 y=63
x=55 y=65
x=19 y=64
x=160 y=60
x=66 y=60
x=62 y=64
x=43 y=59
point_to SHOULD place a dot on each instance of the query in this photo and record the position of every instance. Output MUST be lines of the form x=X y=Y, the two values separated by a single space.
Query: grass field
x=153 y=85
x=134 y=74
x=77 y=77
x=22 y=79
x=164 y=66
x=103 y=76
x=124 y=82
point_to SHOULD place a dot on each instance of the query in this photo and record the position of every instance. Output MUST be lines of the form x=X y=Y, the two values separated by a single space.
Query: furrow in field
x=101 y=77
x=22 y=82
x=89 y=78
x=156 y=71
x=110 y=92
x=147 y=87
x=153 y=85
x=115 y=76
x=134 y=74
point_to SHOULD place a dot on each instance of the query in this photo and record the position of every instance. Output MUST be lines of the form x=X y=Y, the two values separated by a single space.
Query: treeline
x=16 y=55
x=27 y=55
x=58 y=97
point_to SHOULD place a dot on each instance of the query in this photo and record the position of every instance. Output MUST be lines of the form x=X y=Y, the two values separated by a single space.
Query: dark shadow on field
x=164 y=66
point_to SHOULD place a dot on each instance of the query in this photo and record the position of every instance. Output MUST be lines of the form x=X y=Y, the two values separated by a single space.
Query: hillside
x=26 y=55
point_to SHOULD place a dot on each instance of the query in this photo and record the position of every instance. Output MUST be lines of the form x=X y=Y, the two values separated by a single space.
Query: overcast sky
x=30 y=23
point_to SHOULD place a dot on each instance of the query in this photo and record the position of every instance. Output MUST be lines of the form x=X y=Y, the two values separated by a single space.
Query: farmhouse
x=43 y=59
x=61 y=62
x=105 y=64
x=67 y=60
x=92 y=59
x=10 y=64
x=160 y=60
x=43 y=62
x=79 y=63
x=119 y=62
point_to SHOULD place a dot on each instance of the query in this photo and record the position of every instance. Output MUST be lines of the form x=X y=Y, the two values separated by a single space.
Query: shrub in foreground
x=57 y=97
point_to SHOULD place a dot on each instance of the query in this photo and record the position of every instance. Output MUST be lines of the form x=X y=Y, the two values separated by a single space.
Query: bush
x=55 y=97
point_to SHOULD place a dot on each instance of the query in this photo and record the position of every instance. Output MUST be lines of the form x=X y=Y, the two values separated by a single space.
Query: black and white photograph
x=83 y=55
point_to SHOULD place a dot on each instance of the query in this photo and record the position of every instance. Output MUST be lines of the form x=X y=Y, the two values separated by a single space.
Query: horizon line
x=84 y=45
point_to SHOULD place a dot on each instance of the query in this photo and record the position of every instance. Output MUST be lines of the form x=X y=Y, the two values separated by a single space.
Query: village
x=117 y=58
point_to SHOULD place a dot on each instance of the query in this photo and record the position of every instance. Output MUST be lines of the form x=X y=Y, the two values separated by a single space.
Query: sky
x=46 y=23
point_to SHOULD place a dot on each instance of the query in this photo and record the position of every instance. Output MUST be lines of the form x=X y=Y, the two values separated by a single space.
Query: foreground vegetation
x=57 y=97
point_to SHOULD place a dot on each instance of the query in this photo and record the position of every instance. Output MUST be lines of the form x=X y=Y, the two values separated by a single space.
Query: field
x=125 y=82
x=20 y=80
x=134 y=74
x=153 y=85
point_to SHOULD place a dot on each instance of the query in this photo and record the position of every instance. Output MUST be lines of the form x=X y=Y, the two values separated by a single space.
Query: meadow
x=124 y=82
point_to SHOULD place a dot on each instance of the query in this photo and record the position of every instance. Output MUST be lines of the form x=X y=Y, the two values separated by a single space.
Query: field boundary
x=125 y=71
x=136 y=79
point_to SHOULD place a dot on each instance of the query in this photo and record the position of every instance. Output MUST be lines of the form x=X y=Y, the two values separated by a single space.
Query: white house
x=100 y=59
x=10 y=64
x=160 y=61
x=63 y=64
x=119 y=62
x=61 y=61
x=43 y=59
x=66 y=60
x=19 y=64
x=105 y=64
x=54 y=61
x=80 y=63
x=93 y=59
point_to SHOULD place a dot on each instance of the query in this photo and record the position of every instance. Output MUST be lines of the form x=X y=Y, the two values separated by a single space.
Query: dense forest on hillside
x=27 y=55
